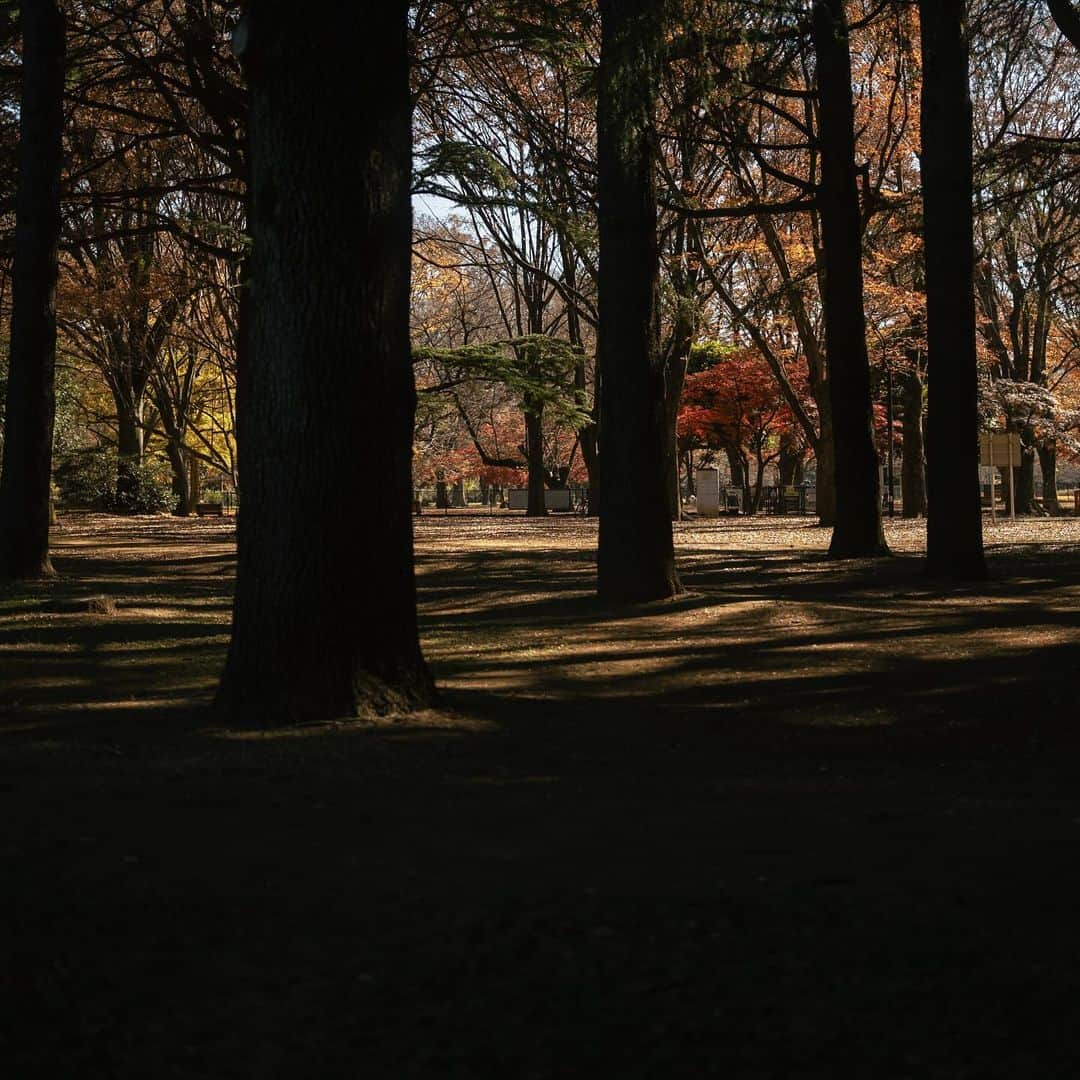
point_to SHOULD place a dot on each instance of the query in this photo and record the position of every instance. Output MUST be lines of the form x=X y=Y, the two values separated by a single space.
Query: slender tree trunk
x=954 y=547
x=857 y=530
x=534 y=456
x=913 y=464
x=25 y=504
x=636 y=557
x=790 y=463
x=324 y=620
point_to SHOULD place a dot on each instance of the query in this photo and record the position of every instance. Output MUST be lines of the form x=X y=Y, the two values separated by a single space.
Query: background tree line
x=827 y=200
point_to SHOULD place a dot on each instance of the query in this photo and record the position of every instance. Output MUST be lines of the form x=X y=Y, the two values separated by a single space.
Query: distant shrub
x=87 y=480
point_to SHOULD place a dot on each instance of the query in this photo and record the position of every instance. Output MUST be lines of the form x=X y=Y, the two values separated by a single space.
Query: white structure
x=707 y=485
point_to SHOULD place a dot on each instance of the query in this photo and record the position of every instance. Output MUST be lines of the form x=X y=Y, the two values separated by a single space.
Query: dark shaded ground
x=812 y=820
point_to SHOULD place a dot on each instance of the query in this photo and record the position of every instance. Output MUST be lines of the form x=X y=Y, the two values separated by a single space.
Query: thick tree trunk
x=185 y=477
x=857 y=530
x=324 y=621
x=31 y=397
x=736 y=470
x=129 y=455
x=913 y=464
x=636 y=557
x=1024 y=478
x=954 y=547
x=1048 y=466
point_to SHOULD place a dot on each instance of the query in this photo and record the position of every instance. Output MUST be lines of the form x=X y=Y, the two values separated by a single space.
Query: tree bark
x=1067 y=18
x=31 y=395
x=636 y=557
x=129 y=455
x=913 y=464
x=1047 y=451
x=534 y=457
x=324 y=619
x=954 y=547
x=185 y=477
x=857 y=530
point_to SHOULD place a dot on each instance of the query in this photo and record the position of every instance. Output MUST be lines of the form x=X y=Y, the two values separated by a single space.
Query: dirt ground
x=813 y=819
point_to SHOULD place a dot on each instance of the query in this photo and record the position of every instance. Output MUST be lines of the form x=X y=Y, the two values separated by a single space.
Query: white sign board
x=999 y=448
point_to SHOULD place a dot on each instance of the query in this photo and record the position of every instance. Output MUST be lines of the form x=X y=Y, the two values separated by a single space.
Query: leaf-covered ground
x=812 y=819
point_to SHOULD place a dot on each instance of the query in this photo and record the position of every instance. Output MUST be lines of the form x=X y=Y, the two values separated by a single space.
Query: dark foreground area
x=814 y=820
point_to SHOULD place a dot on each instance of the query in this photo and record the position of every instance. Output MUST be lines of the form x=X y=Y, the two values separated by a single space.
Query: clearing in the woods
x=812 y=819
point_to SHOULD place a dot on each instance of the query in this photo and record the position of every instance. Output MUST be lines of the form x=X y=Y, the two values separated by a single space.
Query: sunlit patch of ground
x=809 y=819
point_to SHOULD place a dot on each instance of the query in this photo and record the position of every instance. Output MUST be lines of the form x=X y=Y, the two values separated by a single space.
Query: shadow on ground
x=807 y=821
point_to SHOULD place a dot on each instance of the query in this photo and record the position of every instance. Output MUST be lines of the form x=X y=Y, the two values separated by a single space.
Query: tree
x=858 y=530
x=954 y=513
x=636 y=556
x=735 y=406
x=324 y=619
x=31 y=394
x=1067 y=18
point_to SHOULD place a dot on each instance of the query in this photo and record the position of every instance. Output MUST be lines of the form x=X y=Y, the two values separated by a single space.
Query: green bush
x=87 y=480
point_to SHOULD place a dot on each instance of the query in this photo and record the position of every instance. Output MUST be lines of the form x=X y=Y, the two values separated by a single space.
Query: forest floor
x=810 y=820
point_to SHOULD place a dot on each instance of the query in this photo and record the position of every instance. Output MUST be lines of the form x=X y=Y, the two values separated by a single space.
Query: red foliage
x=736 y=404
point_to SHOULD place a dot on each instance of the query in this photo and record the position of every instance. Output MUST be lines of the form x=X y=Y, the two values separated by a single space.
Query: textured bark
x=825 y=456
x=324 y=620
x=129 y=455
x=913 y=465
x=636 y=557
x=186 y=477
x=25 y=505
x=534 y=457
x=1048 y=466
x=857 y=530
x=954 y=547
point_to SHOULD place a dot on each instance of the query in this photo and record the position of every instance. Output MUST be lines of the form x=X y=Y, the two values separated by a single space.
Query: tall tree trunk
x=324 y=619
x=1047 y=451
x=954 y=547
x=857 y=530
x=636 y=557
x=185 y=477
x=31 y=394
x=825 y=458
x=534 y=457
x=129 y=455
x=1024 y=479
x=913 y=463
